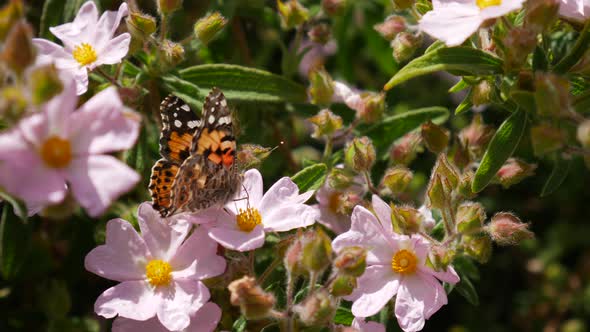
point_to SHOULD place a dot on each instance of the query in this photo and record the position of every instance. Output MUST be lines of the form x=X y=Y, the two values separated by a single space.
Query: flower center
x=84 y=54
x=158 y=272
x=248 y=219
x=56 y=152
x=404 y=262
x=487 y=3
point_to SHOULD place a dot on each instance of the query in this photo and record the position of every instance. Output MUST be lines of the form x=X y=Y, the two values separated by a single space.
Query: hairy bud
x=44 y=83
x=403 y=4
x=351 y=261
x=478 y=246
x=541 y=14
x=470 y=217
x=317 y=309
x=325 y=123
x=293 y=258
x=406 y=220
x=360 y=154
x=334 y=7
x=391 y=27
x=11 y=12
x=482 y=93
x=320 y=33
x=317 y=251
x=373 y=106
x=251 y=155
x=292 y=13
x=141 y=25
x=343 y=285
x=166 y=7
x=436 y=138
x=18 y=51
x=321 y=86
x=519 y=42
x=404 y=151
x=404 y=45
x=507 y=229
x=514 y=171
x=397 y=179
x=254 y=302
x=172 y=53
x=476 y=136
x=209 y=26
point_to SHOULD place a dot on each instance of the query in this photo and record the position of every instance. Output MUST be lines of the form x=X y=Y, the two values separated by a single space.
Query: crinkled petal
x=250 y=193
x=197 y=258
x=103 y=125
x=98 y=180
x=162 y=237
x=288 y=217
x=114 y=50
x=80 y=29
x=376 y=287
x=283 y=191
x=419 y=296
x=336 y=222
x=226 y=233
x=124 y=255
x=179 y=301
x=449 y=276
x=420 y=247
x=363 y=326
x=129 y=299
x=109 y=22
x=383 y=212
x=452 y=24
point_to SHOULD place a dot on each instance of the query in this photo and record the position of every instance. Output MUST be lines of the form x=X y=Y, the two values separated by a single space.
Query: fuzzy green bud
x=342 y=285
x=507 y=229
x=404 y=45
x=317 y=309
x=11 y=12
x=166 y=7
x=293 y=258
x=464 y=188
x=447 y=170
x=321 y=86
x=406 y=220
x=404 y=151
x=403 y=4
x=476 y=136
x=360 y=154
x=514 y=171
x=320 y=33
x=436 y=138
x=18 y=52
x=482 y=93
x=44 y=83
x=141 y=25
x=438 y=192
x=583 y=133
x=13 y=103
x=397 y=179
x=325 y=123
x=351 y=261
x=391 y=27
x=340 y=179
x=172 y=53
x=373 y=107
x=478 y=246
x=470 y=217
x=254 y=302
x=292 y=13
x=546 y=138
x=552 y=95
x=441 y=257
x=209 y=26
x=251 y=155
x=317 y=251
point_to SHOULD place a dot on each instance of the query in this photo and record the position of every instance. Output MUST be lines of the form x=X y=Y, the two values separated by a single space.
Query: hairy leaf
x=311 y=177
x=558 y=175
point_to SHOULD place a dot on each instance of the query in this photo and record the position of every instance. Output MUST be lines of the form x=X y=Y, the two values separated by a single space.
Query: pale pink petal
x=35 y=129
x=77 y=31
x=109 y=21
x=383 y=212
x=420 y=247
x=283 y=191
x=114 y=50
x=336 y=222
x=226 y=233
x=197 y=258
x=449 y=276
x=288 y=217
x=419 y=296
x=452 y=24
x=162 y=237
x=363 y=326
x=129 y=299
x=98 y=180
x=179 y=301
x=103 y=125
x=352 y=98
x=80 y=76
x=50 y=52
x=377 y=286
x=250 y=193
x=428 y=221
x=124 y=255
x=577 y=10
x=505 y=7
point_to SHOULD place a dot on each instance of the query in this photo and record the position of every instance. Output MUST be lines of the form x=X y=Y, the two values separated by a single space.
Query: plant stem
x=289 y=312
x=269 y=270
x=109 y=78
x=370 y=183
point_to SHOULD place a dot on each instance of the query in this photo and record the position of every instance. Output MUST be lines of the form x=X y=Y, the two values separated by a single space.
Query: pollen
x=248 y=219
x=158 y=273
x=56 y=152
x=84 y=54
x=487 y=3
x=404 y=262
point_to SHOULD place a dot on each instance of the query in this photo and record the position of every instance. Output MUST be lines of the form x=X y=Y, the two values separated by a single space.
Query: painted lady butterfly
x=198 y=168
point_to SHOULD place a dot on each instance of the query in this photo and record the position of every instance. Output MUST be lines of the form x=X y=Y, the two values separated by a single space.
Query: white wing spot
x=223 y=103
x=212 y=109
x=225 y=120
x=186 y=108
x=175 y=114
x=211 y=119
x=177 y=123
x=216 y=103
x=194 y=123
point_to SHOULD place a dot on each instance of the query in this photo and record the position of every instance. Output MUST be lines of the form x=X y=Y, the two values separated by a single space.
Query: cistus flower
x=204 y=320
x=243 y=223
x=575 y=10
x=453 y=21
x=369 y=106
x=159 y=271
x=88 y=41
x=58 y=149
x=315 y=54
x=396 y=266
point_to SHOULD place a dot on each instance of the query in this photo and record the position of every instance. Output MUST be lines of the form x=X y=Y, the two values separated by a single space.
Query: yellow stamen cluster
x=85 y=54
x=56 y=152
x=158 y=273
x=404 y=262
x=248 y=219
x=487 y=3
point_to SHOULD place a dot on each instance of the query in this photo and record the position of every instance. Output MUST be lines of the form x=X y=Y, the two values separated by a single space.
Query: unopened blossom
x=59 y=149
x=159 y=271
x=88 y=42
x=204 y=320
x=396 y=266
x=453 y=21
x=576 y=10
x=245 y=220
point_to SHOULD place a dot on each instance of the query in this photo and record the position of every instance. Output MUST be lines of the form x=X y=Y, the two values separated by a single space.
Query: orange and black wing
x=163 y=175
x=179 y=124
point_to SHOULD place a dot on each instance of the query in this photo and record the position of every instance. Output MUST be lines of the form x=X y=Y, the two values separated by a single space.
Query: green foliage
x=311 y=177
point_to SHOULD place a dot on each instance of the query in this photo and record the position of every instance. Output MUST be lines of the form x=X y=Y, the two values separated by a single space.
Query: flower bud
x=545 y=138
x=343 y=285
x=172 y=53
x=438 y=192
x=405 y=45
x=254 y=302
x=340 y=179
x=476 y=136
x=552 y=95
x=317 y=309
x=541 y=14
x=166 y=7
x=13 y=104
x=506 y=229
x=391 y=27
x=478 y=246
x=292 y=13
x=397 y=179
x=360 y=154
x=317 y=251
x=141 y=25
x=44 y=83
x=519 y=42
x=325 y=123
x=482 y=93
x=251 y=155
x=347 y=201
x=447 y=170
x=403 y=4
x=18 y=52
x=464 y=188
x=460 y=155
x=209 y=26
x=11 y=12
x=373 y=106
x=441 y=257
x=514 y=171
x=470 y=217
x=435 y=138
x=406 y=220
x=583 y=133
x=333 y=7
x=351 y=261
x=405 y=149
x=321 y=86
x=320 y=33
x=293 y=258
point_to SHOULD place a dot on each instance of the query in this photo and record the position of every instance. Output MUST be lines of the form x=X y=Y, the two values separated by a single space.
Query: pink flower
x=349 y=96
x=58 y=149
x=160 y=271
x=246 y=219
x=88 y=43
x=315 y=54
x=204 y=320
x=396 y=266
x=362 y=326
x=577 y=10
x=453 y=21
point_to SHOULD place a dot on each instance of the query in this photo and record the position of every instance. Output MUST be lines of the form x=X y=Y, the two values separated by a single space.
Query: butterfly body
x=198 y=168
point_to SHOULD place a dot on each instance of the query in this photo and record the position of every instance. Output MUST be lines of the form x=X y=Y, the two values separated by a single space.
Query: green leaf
x=466 y=104
x=466 y=289
x=558 y=175
x=185 y=90
x=243 y=83
x=540 y=62
x=15 y=243
x=500 y=148
x=391 y=128
x=466 y=267
x=343 y=316
x=464 y=60
x=576 y=53
x=51 y=16
x=461 y=85
x=582 y=103
x=18 y=207
x=524 y=99
x=240 y=325
x=311 y=177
